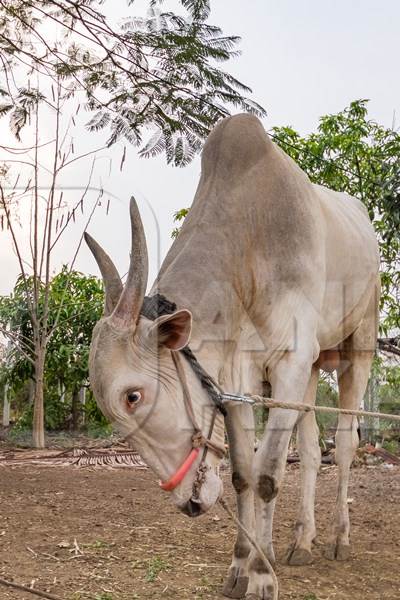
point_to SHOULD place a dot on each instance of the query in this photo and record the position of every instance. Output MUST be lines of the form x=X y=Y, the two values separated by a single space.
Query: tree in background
x=351 y=153
x=73 y=315
x=36 y=186
x=68 y=351
x=152 y=80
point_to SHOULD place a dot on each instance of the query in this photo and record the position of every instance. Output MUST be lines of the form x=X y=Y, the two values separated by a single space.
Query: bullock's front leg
x=240 y=428
x=289 y=381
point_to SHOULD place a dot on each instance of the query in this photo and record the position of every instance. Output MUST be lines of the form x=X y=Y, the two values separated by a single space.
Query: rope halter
x=156 y=306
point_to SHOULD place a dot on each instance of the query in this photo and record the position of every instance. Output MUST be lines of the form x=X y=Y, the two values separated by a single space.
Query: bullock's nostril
x=192 y=509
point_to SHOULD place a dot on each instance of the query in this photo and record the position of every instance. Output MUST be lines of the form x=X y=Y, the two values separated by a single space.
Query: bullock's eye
x=133 y=397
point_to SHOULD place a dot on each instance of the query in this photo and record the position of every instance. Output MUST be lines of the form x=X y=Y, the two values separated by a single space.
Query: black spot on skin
x=298 y=526
x=240 y=550
x=239 y=482
x=267 y=488
x=217 y=318
x=258 y=566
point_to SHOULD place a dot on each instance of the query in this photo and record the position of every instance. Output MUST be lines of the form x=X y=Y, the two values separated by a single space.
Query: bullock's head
x=136 y=384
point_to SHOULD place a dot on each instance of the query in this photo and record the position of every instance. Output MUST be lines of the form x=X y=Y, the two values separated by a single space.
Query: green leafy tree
x=73 y=316
x=351 y=153
x=68 y=349
x=387 y=389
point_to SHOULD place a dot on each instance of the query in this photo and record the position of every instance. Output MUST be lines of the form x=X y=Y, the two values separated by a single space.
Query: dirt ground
x=131 y=543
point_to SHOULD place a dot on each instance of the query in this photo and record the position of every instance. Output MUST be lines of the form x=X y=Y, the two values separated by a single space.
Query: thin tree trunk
x=76 y=409
x=82 y=398
x=375 y=405
x=31 y=391
x=61 y=391
x=370 y=426
x=6 y=407
x=38 y=409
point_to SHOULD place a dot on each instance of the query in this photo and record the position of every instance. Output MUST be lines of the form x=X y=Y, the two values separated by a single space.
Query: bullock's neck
x=196 y=276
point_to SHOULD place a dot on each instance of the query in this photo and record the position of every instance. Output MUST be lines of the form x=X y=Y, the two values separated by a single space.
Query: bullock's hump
x=236 y=144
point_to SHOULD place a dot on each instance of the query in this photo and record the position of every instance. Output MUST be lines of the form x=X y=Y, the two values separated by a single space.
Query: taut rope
x=253 y=400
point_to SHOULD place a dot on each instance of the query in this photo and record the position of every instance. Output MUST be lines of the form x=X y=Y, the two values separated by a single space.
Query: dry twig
x=24 y=588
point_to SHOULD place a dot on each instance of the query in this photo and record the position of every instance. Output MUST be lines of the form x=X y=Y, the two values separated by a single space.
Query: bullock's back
x=259 y=225
x=256 y=200
x=350 y=240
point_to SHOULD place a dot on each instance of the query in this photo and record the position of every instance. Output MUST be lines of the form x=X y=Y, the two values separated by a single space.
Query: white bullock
x=273 y=278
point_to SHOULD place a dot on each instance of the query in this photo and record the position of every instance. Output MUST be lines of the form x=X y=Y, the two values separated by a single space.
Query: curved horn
x=112 y=282
x=128 y=309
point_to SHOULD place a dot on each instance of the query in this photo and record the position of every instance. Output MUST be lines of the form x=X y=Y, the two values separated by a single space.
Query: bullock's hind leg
x=356 y=359
x=299 y=552
x=240 y=428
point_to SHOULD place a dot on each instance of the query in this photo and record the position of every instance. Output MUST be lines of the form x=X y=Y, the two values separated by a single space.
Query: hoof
x=337 y=551
x=298 y=557
x=260 y=588
x=270 y=596
x=235 y=585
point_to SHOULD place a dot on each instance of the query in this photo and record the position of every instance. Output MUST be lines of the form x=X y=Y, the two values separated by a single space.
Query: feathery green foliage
x=159 y=73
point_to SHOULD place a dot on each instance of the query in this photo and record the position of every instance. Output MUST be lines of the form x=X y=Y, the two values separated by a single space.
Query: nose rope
x=198 y=439
x=156 y=306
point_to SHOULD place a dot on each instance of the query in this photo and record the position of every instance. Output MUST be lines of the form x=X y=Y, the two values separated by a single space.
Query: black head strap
x=157 y=306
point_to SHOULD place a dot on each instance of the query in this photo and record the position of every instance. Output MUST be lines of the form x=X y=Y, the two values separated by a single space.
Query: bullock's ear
x=173 y=331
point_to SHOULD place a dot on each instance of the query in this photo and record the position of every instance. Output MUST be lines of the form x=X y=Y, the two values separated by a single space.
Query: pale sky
x=302 y=58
